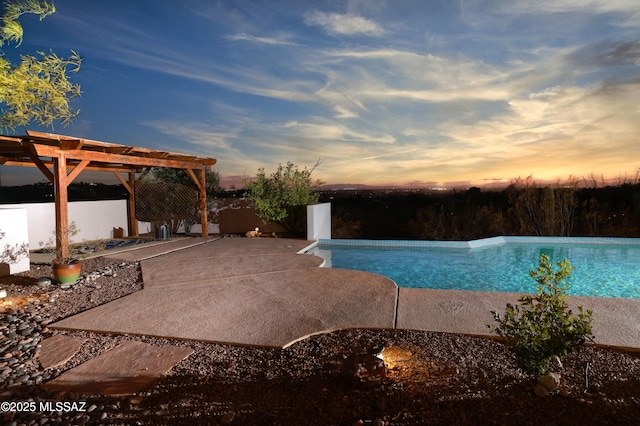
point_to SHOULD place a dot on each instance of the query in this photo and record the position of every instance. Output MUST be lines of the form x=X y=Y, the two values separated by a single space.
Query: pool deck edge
x=616 y=322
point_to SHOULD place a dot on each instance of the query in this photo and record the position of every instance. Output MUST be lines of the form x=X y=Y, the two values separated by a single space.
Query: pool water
x=603 y=270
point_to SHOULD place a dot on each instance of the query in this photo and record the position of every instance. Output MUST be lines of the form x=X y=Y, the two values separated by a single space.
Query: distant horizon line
x=590 y=180
x=584 y=182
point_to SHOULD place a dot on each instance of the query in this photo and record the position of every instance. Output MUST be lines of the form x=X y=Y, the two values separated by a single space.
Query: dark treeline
x=523 y=208
x=43 y=192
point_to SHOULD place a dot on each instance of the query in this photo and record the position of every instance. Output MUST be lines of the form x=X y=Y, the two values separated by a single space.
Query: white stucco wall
x=13 y=223
x=93 y=219
x=319 y=221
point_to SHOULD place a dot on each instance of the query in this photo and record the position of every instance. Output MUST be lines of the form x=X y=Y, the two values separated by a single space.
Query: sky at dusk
x=431 y=93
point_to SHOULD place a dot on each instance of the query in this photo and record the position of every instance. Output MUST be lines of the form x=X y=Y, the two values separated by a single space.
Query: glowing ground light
x=396 y=356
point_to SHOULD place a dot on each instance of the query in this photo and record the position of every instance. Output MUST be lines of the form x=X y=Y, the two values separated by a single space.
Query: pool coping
x=470 y=244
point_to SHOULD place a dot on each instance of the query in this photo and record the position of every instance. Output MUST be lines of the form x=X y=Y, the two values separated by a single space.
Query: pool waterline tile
x=484 y=242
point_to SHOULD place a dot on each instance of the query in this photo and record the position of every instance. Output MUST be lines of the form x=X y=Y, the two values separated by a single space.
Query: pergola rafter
x=62 y=158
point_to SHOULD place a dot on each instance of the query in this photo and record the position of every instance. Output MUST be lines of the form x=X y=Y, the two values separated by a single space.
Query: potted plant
x=66 y=270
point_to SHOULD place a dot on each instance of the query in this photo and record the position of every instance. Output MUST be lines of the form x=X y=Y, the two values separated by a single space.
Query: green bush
x=282 y=197
x=543 y=327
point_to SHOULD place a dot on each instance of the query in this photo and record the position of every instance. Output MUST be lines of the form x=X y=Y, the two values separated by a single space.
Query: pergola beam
x=76 y=171
x=33 y=155
x=124 y=182
x=48 y=164
x=103 y=157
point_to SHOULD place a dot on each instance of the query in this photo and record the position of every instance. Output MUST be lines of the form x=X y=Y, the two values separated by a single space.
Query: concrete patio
x=259 y=292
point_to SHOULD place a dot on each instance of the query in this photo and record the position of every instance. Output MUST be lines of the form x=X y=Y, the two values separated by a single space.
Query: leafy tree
x=38 y=89
x=278 y=198
x=543 y=327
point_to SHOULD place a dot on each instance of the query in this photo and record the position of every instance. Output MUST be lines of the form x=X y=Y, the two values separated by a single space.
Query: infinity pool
x=601 y=267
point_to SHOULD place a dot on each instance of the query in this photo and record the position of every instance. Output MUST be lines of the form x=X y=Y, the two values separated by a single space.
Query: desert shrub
x=13 y=253
x=542 y=327
x=282 y=197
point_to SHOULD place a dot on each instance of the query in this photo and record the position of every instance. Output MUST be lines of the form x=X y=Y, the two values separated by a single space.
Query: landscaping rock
x=550 y=381
x=364 y=368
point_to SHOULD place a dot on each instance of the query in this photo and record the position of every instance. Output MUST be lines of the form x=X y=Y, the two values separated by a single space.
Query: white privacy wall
x=13 y=223
x=319 y=221
x=93 y=219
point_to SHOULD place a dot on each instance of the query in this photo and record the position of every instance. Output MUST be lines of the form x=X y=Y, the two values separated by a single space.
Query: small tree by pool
x=543 y=328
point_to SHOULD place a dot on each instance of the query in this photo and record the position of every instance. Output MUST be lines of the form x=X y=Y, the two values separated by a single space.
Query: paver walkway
x=125 y=369
x=58 y=349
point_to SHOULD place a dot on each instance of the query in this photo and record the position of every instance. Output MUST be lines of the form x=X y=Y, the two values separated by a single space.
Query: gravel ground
x=432 y=378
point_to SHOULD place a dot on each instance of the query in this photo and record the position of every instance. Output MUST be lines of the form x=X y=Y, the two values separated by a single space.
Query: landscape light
x=397 y=356
x=376 y=350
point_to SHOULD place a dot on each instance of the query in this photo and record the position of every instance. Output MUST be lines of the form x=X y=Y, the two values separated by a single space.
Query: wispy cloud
x=260 y=40
x=390 y=154
x=334 y=132
x=606 y=53
x=339 y=24
x=627 y=11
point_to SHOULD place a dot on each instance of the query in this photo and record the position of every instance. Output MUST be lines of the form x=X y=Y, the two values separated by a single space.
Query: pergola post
x=131 y=213
x=61 y=206
x=201 y=183
x=203 y=202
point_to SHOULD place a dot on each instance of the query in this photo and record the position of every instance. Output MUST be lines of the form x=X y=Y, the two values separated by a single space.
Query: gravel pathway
x=437 y=378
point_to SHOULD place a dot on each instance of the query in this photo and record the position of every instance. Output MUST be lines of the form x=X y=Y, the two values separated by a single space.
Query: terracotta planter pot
x=66 y=273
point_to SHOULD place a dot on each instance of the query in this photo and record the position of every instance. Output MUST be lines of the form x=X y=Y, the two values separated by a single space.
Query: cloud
x=333 y=132
x=390 y=154
x=591 y=127
x=260 y=40
x=213 y=139
x=335 y=23
x=625 y=13
x=606 y=54
x=219 y=142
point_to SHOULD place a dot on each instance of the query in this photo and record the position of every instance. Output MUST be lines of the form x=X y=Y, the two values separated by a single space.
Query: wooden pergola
x=62 y=158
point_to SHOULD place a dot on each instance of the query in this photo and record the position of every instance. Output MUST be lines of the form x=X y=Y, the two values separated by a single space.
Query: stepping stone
x=57 y=350
x=126 y=369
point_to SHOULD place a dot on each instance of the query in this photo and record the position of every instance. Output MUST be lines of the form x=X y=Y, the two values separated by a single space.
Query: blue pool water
x=603 y=270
